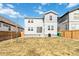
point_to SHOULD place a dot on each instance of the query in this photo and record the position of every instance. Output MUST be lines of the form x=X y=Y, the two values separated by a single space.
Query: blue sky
x=17 y=11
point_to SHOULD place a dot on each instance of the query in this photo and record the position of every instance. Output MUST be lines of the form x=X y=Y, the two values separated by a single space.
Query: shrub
x=59 y=34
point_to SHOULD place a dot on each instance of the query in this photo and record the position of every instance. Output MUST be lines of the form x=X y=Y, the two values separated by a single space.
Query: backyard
x=39 y=47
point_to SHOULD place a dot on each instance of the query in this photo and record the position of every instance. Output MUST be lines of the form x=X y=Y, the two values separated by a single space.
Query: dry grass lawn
x=39 y=47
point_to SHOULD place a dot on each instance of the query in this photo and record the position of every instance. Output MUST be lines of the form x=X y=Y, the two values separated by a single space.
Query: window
x=6 y=25
x=66 y=26
x=76 y=16
x=75 y=26
x=39 y=29
x=28 y=21
x=31 y=21
x=52 y=28
x=48 y=27
x=9 y=28
x=50 y=17
x=30 y=28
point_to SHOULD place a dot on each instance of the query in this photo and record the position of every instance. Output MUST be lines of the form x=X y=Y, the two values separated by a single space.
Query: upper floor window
x=30 y=21
x=6 y=25
x=76 y=16
x=50 y=17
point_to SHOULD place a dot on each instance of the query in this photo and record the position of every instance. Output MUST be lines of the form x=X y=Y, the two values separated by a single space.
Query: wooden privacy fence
x=73 y=34
x=5 y=35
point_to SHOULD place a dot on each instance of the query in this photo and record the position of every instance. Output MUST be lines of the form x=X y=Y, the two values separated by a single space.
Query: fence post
x=71 y=34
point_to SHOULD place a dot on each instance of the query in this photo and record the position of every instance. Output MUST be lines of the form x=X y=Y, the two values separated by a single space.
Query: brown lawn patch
x=39 y=47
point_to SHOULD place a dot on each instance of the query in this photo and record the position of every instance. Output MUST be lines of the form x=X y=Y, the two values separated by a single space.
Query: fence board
x=5 y=35
x=74 y=34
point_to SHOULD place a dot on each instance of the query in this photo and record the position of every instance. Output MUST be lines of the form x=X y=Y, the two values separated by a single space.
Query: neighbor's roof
x=74 y=9
x=70 y=11
x=3 y=19
x=27 y=17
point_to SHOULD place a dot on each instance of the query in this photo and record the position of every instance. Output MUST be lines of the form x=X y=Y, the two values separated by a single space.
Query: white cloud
x=43 y=4
x=39 y=11
x=10 y=5
x=72 y=5
x=60 y=3
x=10 y=12
x=40 y=7
x=1 y=5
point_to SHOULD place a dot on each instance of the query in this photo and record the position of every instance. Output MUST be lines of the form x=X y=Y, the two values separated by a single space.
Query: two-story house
x=41 y=27
x=8 y=25
x=69 y=21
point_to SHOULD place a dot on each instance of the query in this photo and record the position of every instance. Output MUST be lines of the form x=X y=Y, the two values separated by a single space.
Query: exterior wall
x=3 y=28
x=63 y=23
x=41 y=22
x=73 y=15
x=64 y=26
x=36 y=23
x=52 y=32
x=73 y=25
x=74 y=20
x=47 y=18
x=9 y=28
x=48 y=22
x=16 y=29
x=20 y=30
x=13 y=29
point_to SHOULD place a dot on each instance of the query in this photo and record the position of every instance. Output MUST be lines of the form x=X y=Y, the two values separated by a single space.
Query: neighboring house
x=41 y=27
x=69 y=21
x=7 y=25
